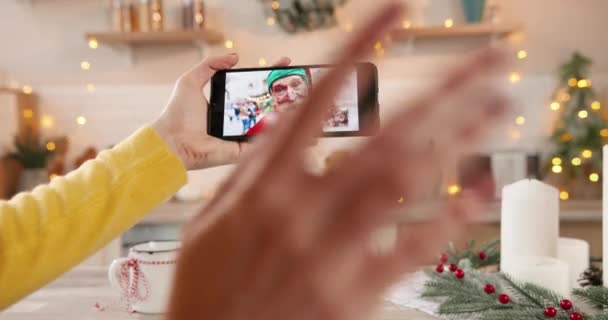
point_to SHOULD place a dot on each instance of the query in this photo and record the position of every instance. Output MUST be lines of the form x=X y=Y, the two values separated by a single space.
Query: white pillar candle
x=575 y=253
x=605 y=214
x=549 y=273
x=529 y=220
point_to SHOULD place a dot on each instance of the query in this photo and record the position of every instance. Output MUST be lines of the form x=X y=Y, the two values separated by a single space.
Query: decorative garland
x=463 y=291
x=305 y=14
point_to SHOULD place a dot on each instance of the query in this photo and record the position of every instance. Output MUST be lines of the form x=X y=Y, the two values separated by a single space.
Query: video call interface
x=254 y=96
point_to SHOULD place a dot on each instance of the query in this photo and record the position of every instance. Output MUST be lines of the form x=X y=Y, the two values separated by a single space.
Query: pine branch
x=595 y=296
x=525 y=313
x=519 y=290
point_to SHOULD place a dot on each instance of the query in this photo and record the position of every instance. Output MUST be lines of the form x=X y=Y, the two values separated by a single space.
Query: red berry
x=503 y=298
x=459 y=274
x=489 y=289
x=550 y=312
x=444 y=258
x=482 y=255
x=439 y=268
x=453 y=267
x=566 y=304
x=576 y=316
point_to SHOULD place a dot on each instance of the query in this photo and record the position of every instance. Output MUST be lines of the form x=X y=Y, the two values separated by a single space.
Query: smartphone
x=243 y=101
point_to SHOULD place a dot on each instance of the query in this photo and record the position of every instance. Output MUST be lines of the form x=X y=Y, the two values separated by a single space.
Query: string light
x=595 y=105
x=556 y=169
x=565 y=137
x=47 y=122
x=604 y=132
x=514 y=77
x=454 y=189
x=522 y=54
x=587 y=154
x=400 y=200
x=576 y=161
x=406 y=24
x=594 y=177
x=90 y=87
x=572 y=82
x=262 y=62
x=520 y=120
x=27 y=89
x=28 y=113
x=564 y=195
x=228 y=44
x=378 y=45
x=556 y=161
x=583 y=114
x=448 y=23
x=275 y=5
x=555 y=106
x=50 y=146
x=564 y=96
x=270 y=21
x=93 y=44
x=584 y=83
x=85 y=65
x=81 y=120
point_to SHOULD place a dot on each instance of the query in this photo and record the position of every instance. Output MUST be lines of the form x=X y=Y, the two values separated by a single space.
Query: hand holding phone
x=244 y=101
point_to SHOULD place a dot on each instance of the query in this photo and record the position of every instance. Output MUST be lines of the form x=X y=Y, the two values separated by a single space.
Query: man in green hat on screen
x=288 y=88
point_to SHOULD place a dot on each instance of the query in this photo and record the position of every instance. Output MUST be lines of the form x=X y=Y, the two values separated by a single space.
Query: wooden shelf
x=465 y=30
x=156 y=38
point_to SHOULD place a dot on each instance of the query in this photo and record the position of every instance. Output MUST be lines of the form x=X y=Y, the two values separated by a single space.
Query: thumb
x=202 y=73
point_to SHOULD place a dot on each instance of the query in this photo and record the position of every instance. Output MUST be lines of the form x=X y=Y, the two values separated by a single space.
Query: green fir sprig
x=471 y=257
x=467 y=298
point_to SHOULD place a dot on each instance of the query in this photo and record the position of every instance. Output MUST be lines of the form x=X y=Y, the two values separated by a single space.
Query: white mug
x=144 y=277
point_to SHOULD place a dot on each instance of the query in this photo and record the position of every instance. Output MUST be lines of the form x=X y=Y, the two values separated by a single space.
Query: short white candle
x=529 y=220
x=549 y=273
x=575 y=253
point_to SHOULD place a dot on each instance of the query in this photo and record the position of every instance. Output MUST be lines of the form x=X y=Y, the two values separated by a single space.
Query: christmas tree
x=580 y=131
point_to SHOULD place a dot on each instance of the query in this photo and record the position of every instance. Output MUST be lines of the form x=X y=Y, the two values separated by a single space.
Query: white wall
x=43 y=44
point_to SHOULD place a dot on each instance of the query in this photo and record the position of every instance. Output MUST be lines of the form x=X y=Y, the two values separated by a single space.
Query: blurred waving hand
x=280 y=243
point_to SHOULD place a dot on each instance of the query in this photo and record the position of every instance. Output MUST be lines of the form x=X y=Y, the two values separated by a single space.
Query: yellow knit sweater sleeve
x=48 y=231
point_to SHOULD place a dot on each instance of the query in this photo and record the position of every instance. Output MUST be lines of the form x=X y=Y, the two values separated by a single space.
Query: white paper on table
x=575 y=253
x=407 y=294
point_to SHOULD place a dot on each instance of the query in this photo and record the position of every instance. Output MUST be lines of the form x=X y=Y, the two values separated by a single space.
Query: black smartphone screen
x=244 y=101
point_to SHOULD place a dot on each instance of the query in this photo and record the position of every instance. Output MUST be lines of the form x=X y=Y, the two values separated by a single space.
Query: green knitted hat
x=275 y=75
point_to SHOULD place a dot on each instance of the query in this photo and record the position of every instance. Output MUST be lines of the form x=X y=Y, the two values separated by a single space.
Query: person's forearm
x=46 y=232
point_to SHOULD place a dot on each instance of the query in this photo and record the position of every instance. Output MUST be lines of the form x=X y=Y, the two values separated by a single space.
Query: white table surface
x=73 y=297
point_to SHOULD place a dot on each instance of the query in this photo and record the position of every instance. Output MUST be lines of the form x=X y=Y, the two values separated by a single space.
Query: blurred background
x=76 y=77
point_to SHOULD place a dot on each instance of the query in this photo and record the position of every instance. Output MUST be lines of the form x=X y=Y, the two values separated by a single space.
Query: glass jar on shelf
x=116 y=12
x=156 y=15
x=199 y=14
x=143 y=15
x=187 y=14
